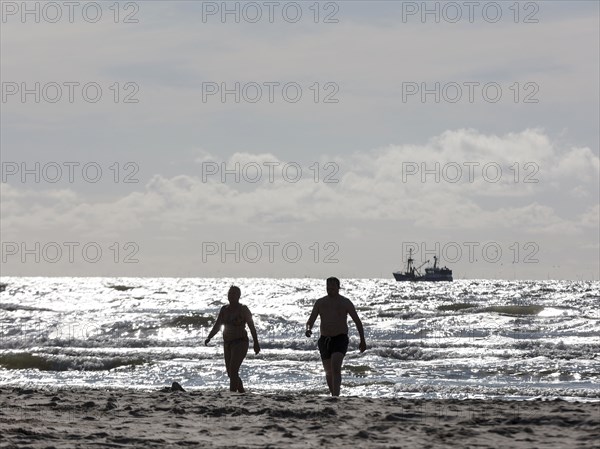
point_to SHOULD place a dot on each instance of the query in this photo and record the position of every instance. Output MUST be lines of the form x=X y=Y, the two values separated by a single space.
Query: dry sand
x=90 y=418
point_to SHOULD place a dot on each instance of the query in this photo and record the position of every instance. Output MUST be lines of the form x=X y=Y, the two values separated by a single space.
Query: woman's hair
x=236 y=289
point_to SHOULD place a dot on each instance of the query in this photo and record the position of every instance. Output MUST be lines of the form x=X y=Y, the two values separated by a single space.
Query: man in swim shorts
x=333 y=344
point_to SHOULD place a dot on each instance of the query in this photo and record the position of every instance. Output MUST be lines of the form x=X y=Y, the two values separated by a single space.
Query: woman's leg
x=227 y=354
x=239 y=349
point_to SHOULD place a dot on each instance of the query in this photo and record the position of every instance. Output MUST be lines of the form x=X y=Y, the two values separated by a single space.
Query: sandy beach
x=83 y=418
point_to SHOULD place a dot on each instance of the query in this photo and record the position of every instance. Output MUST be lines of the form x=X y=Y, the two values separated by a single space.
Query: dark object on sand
x=174 y=387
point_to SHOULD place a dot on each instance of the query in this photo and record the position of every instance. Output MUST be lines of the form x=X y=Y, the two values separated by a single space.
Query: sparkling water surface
x=464 y=339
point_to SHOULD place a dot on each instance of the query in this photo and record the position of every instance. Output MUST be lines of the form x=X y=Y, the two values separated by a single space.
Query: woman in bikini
x=235 y=316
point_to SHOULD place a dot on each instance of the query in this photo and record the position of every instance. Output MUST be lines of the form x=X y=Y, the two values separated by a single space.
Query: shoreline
x=315 y=392
x=84 y=417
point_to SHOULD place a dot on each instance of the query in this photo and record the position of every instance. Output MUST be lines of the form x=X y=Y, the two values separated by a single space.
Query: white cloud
x=591 y=217
x=371 y=186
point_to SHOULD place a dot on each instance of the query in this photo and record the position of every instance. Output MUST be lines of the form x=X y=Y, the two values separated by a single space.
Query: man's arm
x=216 y=327
x=359 y=327
x=250 y=322
x=312 y=318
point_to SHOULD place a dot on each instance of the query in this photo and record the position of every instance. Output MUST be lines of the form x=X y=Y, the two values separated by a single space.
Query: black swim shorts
x=329 y=345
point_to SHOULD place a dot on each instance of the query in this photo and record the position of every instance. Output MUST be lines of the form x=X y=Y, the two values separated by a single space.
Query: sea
x=489 y=339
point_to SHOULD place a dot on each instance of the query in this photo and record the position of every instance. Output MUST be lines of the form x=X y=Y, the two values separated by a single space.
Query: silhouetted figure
x=333 y=344
x=235 y=316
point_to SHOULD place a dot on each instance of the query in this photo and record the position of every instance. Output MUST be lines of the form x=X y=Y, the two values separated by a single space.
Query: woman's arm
x=250 y=321
x=216 y=327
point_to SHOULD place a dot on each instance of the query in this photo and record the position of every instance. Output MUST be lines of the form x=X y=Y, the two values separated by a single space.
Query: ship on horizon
x=432 y=274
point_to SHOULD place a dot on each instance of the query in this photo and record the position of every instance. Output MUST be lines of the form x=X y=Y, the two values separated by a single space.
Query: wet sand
x=94 y=418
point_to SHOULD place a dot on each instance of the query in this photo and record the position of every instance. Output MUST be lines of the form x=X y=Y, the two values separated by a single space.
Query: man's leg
x=336 y=373
x=328 y=373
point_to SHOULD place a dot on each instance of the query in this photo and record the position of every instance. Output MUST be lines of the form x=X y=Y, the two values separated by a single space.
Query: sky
x=295 y=139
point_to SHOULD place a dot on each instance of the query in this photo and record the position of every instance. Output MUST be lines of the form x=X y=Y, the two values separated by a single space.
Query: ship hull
x=435 y=277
